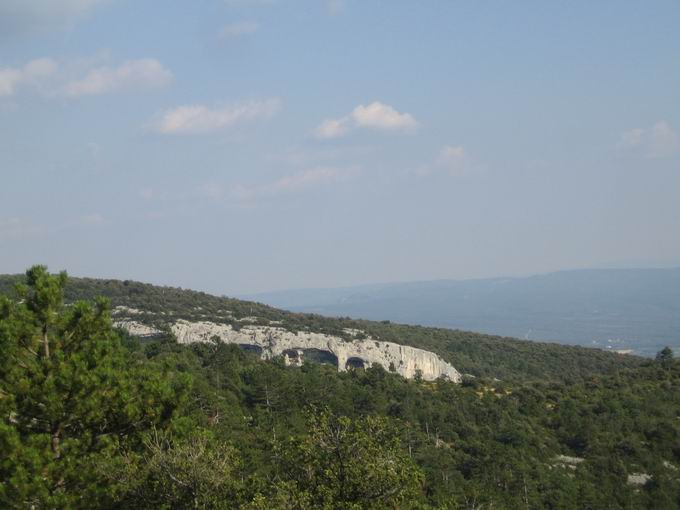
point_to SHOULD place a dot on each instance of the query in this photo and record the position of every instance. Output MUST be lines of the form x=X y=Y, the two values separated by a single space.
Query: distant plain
x=635 y=310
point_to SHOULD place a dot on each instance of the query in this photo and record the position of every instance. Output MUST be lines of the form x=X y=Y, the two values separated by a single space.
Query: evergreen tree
x=70 y=397
x=665 y=357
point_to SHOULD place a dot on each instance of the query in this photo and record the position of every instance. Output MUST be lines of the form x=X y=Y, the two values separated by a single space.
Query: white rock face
x=136 y=328
x=638 y=478
x=568 y=462
x=126 y=310
x=279 y=342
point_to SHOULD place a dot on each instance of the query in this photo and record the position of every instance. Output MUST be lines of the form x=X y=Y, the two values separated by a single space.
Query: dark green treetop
x=70 y=396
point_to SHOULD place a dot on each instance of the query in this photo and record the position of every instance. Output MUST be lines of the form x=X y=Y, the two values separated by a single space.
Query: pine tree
x=70 y=396
x=665 y=357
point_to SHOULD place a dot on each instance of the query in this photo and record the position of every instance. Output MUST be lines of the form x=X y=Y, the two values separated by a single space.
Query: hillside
x=617 y=309
x=605 y=442
x=93 y=418
x=470 y=353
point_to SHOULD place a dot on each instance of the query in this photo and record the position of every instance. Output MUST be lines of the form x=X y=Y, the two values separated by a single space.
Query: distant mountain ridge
x=618 y=309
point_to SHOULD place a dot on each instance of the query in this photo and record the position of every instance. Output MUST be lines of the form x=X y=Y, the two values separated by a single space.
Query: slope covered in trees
x=470 y=353
x=89 y=419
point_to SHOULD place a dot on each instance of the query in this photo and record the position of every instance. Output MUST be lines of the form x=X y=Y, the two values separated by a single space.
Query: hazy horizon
x=248 y=146
x=250 y=295
x=490 y=277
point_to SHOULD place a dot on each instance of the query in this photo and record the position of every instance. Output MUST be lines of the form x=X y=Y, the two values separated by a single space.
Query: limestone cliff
x=294 y=347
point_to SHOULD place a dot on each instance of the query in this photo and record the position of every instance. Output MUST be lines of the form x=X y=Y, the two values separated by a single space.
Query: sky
x=240 y=146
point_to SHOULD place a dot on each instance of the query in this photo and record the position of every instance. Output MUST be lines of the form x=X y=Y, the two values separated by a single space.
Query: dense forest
x=471 y=353
x=93 y=418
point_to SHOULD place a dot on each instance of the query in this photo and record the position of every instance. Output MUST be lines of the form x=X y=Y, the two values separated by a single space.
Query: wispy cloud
x=16 y=227
x=312 y=179
x=333 y=128
x=29 y=74
x=18 y=16
x=336 y=7
x=212 y=191
x=239 y=29
x=452 y=160
x=143 y=73
x=92 y=220
x=297 y=182
x=194 y=119
x=249 y=2
x=658 y=141
x=74 y=78
x=376 y=115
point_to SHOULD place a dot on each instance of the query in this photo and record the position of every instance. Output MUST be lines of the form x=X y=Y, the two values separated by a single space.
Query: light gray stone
x=274 y=341
x=638 y=478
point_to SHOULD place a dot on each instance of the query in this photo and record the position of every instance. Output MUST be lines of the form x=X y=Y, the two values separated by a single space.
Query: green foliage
x=347 y=464
x=70 y=396
x=665 y=357
x=91 y=419
x=471 y=353
x=194 y=472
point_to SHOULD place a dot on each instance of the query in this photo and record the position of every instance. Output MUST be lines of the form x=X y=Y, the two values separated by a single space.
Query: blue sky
x=239 y=146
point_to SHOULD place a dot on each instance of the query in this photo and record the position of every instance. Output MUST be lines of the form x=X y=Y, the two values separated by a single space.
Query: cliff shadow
x=252 y=349
x=320 y=356
x=355 y=363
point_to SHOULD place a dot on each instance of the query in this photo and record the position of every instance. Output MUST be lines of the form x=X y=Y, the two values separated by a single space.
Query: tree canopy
x=93 y=418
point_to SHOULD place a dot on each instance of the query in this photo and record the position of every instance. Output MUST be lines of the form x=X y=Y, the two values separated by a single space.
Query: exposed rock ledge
x=273 y=341
x=136 y=328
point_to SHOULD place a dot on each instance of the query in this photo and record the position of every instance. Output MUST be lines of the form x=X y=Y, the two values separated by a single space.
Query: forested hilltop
x=471 y=353
x=93 y=418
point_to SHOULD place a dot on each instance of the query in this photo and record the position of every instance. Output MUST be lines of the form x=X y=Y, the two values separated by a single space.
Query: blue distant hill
x=618 y=309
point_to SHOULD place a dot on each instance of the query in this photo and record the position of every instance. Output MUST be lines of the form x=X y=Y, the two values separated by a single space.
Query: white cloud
x=52 y=79
x=453 y=159
x=201 y=119
x=381 y=116
x=212 y=191
x=376 y=115
x=658 y=141
x=238 y=29
x=336 y=7
x=632 y=138
x=249 y=2
x=30 y=73
x=297 y=182
x=142 y=73
x=9 y=79
x=147 y=194
x=450 y=153
x=92 y=220
x=10 y=224
x=40 y=67
x=15 y=227
x=309 y=178
x=333 y=128
x=18 y=16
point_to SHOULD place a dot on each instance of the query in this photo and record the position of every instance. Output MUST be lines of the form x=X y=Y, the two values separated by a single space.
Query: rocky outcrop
x=136 y=328
x=638 y=478
x=294 y=347
x=568 y=462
